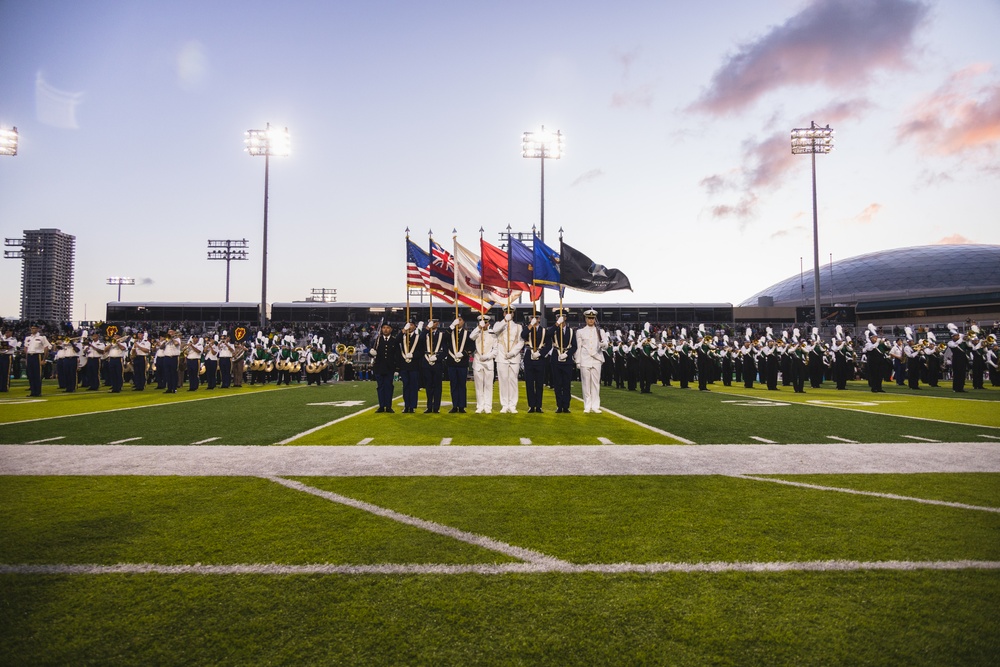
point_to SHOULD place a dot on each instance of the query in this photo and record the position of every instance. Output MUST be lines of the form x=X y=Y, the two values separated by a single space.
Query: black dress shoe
x=453 y=411
x=380 y=410
x=461 y=411
x=530 y=410
x=538 y=409
x=389 y=410
x=428 y=411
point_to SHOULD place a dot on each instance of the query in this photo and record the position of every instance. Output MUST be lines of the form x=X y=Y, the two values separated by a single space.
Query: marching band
x=422 y=356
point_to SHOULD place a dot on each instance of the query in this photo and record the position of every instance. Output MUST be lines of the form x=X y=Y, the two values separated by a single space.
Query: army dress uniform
x=383 y=355
x=432 y=365
x=561 y=359
x=537 y=347
x=408 y=362
x=459 y=348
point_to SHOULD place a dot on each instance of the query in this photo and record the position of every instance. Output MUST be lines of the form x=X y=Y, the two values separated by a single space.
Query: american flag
x=417 y=266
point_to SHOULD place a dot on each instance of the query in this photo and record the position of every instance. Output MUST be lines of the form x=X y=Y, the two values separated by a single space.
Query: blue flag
x=546 y=265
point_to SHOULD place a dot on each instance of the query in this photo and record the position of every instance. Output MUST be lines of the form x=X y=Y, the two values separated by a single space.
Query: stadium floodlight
x=812 y=140
x=228 y=250
x=120 y=280
x=267 y=142
x=542 y=145
x=8 y=141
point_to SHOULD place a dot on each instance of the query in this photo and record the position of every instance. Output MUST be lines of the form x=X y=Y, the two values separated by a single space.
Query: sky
x=675 y=115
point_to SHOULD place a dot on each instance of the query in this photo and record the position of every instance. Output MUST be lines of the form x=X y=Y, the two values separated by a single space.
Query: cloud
x=715 y=184
x=637 y=97
x=836 y=43
x=931 y=178
x=192 y=66
x=146 y=281
x=55 y=107
x=959 y=117
x=866 y=216
x=782 y=233
x=591 y=175
x=953 y=240
x=743 y=210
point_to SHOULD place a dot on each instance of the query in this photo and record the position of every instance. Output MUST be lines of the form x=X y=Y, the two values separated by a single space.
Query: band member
x=239 y=363
x=8 y=347
x=748 y=355
x=408 y=362
x=841 y=349
x=432 y=363
x=459 y=350
x=978 y=359
x=959 y=348
x=589 y=356
x=487 y=349
x=195 y=346
x=563 y=348
x=898 y=362
x=171 y=347
x=536 y=351
x=140 y=355
x=383 y=355
x=211 y=361
x=875 y=356
x=315 y=363
x=36 y=346
x=705 y=350
x=913 y=362
x=258 y=366
x=92 y=371
x=992 y=365
x=71 y=364
x=282 y=363
x=226 y=352
x=799 y=352
x=115 y=352
x=508 y=360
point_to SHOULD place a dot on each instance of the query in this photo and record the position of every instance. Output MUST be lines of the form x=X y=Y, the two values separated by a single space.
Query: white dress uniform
x=482 y=366
x=590 y=345
x=508 y=357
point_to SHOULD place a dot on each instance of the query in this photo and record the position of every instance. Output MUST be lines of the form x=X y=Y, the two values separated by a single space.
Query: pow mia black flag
x=577 y=271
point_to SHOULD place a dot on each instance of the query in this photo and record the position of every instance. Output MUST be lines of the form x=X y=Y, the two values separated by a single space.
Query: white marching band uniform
x=508 y=358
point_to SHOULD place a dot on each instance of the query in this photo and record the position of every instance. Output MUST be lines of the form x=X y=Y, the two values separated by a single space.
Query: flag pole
x=430 y=292
x=481 y=292
x=408 y=278
x=454 y=241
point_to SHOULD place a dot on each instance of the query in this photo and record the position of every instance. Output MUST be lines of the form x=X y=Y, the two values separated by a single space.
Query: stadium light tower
x=267 y=142
x=813 y=140
x=8 y=141
x=120 y=280
x=542 y=145
x=229 y=250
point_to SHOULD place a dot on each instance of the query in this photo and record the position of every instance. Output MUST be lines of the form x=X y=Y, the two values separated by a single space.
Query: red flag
x=496 y=271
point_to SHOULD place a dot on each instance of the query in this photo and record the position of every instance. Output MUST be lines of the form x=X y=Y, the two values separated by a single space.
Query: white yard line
x=645 y=426
x=839 y=439
x=525 y=441
x=445 y=441
x=561 y=567
x=482 y=541
x=35 y=442
x=323 y=426
x=991 y=437
x=764 y=440
x=604 y=441
x=365 y=441
x=138 y=407
x=122 y=442
x=890 y=496
x=870 y=412
x=206 y=441
x=917 y=437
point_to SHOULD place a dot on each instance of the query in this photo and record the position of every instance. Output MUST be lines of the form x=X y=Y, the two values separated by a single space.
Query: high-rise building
x=47 y=257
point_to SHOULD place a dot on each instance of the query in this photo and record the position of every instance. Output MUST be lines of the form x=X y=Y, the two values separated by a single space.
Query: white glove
x=562 y=356
x=535 y=356
x=372 y=352
x=508 y=317
x=561 y=320
x=432 y=358
x=454 y=324
x=408 y=357
x=534 y=321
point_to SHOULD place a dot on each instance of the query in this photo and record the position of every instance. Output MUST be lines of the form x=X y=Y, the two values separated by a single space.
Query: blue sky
x=676 y=117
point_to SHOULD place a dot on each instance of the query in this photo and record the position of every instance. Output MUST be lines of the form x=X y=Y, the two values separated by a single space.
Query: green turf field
x=809 y=569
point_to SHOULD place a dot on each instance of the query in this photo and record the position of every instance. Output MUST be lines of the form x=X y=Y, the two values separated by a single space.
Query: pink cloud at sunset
x=959 y=117
x=838 y=43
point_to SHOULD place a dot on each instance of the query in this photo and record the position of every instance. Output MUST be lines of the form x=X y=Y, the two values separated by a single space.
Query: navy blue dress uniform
x=537 y=346
x=36 y=346
x=432 y=365
x=561 y=358
x=460 y=348
x=408 y=363
x=383 y=352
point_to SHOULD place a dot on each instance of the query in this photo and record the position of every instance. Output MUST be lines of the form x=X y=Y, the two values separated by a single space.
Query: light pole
x=229 y=250
x=267 y=142
x=542 y=145
x=8 y=141
x=813 y=140
x=120 y=280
